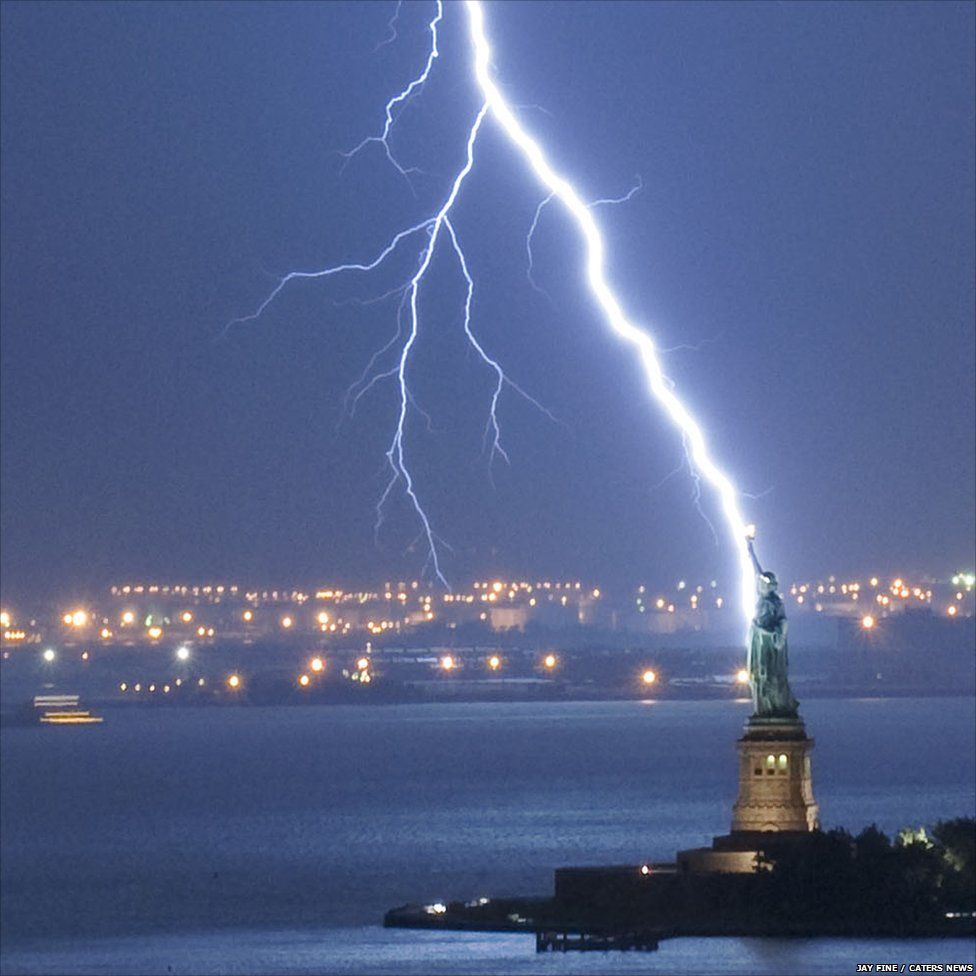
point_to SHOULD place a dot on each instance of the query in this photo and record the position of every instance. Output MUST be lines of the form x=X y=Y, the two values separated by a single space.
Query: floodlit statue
x=768 y=659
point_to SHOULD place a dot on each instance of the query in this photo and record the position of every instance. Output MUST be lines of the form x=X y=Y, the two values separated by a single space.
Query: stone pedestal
x=775 y=806
x=775 y=788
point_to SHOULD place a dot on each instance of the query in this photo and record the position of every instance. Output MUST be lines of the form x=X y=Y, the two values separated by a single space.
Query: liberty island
x=774 y=874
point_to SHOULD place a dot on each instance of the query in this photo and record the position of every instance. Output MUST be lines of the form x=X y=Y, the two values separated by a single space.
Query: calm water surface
x=272 y=840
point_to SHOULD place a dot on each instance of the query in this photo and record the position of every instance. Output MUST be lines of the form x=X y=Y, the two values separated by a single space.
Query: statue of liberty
x=768 y=660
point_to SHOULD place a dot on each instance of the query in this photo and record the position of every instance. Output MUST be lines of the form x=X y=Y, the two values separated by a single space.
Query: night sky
x=806 y=226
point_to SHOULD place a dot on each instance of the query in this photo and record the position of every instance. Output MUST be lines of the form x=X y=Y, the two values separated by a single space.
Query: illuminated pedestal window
x=775 y=785
x=775 y=805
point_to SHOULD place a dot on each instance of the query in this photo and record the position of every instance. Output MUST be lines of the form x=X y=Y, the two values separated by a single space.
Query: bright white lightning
x=329 y=272
x=493 y=432
x=492 y=429
x=367 y=378
x=395 y=453
x=432 y=226
x=399 y=99
x=603 y=201
x=528 y=247
x=558 y=187
x=658 y=385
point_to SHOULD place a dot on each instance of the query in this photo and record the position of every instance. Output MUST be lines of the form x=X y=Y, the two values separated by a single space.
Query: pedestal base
x=775 y=787
x=708 y=860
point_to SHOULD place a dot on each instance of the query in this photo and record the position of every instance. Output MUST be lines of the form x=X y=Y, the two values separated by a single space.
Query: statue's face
x=767 y=584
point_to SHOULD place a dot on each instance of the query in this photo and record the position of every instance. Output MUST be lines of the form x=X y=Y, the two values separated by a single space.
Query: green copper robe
x=768 y=658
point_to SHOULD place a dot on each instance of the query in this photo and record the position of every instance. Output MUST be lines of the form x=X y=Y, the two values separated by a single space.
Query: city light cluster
x=316 y=668
x=397 y=608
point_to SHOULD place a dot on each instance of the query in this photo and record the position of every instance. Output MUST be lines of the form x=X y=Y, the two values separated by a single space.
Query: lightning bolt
x=395 y=454
x=528 y=248
x=603 y=201
x=391 y=28
x=398 y=100
x=658 y=386
x=701 y=463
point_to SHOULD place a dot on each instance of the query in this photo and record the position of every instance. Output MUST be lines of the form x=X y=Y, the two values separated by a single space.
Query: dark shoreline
x=539 y=914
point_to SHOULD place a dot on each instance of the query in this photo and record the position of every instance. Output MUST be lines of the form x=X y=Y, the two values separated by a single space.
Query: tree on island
x=868 y=882
x=956 y=839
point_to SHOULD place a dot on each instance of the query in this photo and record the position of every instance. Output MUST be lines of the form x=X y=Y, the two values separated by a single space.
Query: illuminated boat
x=62 y=710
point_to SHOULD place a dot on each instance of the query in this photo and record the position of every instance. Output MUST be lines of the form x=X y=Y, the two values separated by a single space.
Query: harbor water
x=252 y=840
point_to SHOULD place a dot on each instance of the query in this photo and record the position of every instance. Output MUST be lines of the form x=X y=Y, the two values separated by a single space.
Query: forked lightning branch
x=438 y=229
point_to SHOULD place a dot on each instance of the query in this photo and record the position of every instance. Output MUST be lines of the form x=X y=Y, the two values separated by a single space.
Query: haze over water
x=273 y=839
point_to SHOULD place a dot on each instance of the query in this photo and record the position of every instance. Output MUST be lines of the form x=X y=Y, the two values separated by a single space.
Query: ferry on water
x=51 y=709
x=62 y=710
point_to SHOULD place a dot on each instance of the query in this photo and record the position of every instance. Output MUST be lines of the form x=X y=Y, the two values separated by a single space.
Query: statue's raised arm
x=752 y=556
